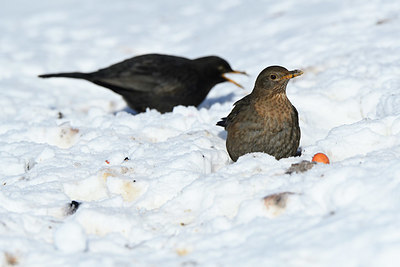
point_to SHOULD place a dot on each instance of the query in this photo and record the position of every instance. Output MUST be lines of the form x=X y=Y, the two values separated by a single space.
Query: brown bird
x=159 y=81
x=265 y=120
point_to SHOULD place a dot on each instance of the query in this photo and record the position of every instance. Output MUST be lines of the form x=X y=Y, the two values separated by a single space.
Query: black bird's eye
x=221 y=68
x=273 y=77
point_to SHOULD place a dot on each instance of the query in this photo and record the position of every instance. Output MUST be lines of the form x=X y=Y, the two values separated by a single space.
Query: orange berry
x=320 y=157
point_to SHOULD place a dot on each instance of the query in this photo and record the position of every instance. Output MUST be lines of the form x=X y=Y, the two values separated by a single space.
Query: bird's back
x=151 y=73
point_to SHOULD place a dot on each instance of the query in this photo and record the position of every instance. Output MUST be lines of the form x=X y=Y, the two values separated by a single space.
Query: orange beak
x=292 y=74
x=232 y=81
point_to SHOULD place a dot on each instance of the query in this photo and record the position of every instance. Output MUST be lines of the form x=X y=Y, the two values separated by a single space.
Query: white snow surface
x=159 y=189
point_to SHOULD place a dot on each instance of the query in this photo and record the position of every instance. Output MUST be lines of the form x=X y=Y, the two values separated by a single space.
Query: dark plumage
x=265 y=120
x=159 y=81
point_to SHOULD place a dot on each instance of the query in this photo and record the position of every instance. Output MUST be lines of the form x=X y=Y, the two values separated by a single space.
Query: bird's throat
x=275 y=105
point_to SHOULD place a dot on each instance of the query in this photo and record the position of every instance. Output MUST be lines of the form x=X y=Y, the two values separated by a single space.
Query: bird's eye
x=273 y=77
x=221 y=68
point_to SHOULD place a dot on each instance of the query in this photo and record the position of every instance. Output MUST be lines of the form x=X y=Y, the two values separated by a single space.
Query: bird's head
x=216 y=68
x=275 y=78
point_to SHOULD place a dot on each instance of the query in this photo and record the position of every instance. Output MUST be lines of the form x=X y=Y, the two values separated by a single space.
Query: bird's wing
x=150 y=73
x=239 y=105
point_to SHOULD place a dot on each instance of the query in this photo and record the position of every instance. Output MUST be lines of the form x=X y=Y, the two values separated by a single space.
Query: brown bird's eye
x=273 y=77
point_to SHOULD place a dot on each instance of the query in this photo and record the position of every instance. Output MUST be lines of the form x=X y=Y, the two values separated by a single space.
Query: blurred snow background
x=159 y=190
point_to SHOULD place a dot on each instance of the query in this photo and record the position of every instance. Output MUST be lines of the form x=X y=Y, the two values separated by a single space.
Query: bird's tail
x=222 y=122
x=76 y=75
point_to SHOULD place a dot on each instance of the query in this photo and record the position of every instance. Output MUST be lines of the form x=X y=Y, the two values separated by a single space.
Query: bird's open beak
x=232 y=81
x=292 y=74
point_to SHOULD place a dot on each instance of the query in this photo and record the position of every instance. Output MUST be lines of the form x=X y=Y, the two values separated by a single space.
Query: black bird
x=159 y=81
x=265 y=120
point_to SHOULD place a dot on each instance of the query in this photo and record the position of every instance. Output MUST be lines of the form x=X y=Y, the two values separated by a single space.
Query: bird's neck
x=272 y=104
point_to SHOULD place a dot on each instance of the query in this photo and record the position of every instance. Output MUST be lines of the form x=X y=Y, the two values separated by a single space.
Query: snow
x=70 y=237
x=159 y=189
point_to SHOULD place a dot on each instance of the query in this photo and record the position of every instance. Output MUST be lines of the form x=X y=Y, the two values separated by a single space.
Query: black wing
x=148 y=73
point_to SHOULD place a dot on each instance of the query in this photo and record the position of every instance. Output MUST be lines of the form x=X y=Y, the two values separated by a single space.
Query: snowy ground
x=160 y=190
